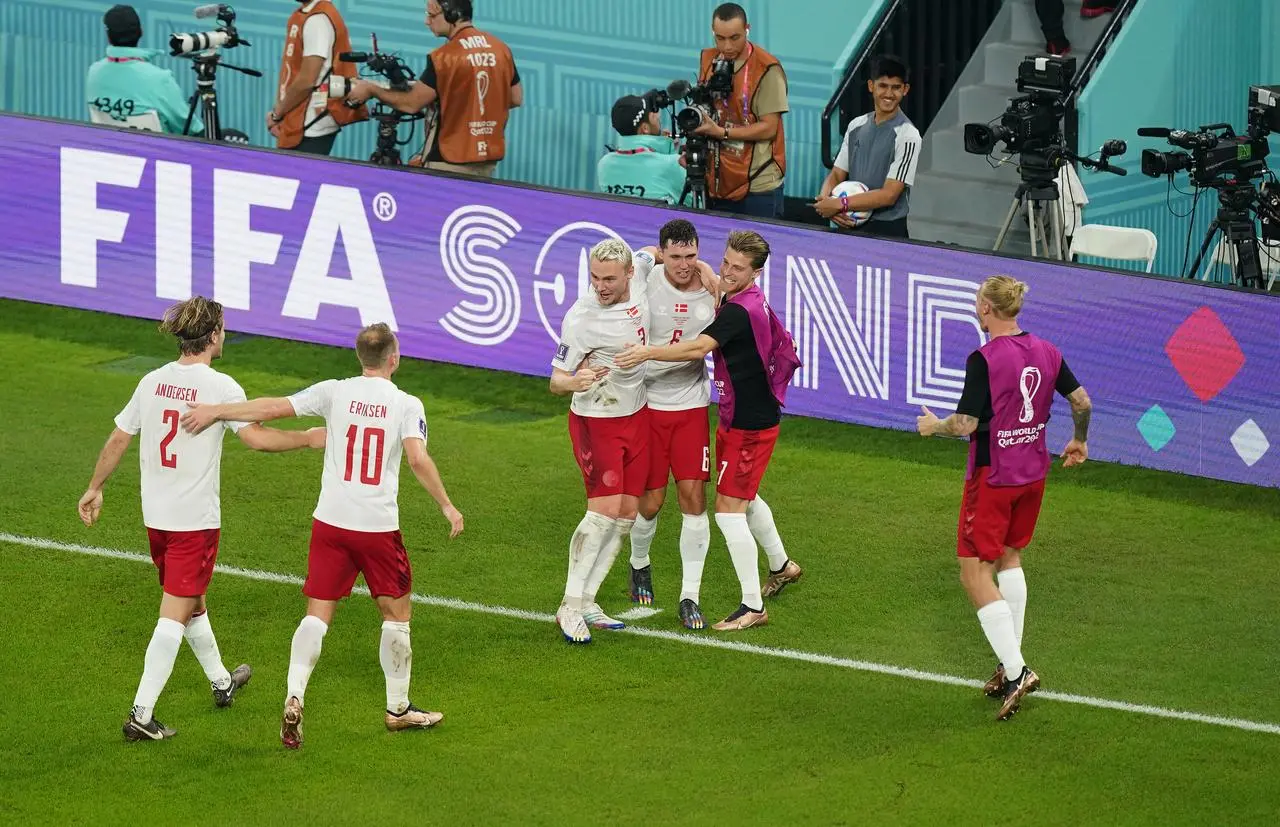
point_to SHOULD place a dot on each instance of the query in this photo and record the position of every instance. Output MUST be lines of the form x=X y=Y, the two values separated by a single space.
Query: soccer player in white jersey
x=608 y=426
x=682 y=293
x=180 y=505
x=356 y=529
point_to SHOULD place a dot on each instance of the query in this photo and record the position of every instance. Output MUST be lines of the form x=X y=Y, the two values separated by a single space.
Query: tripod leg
x=1008 y=222
x=1214 y=227
x=1055 y=219
x=1033 y=215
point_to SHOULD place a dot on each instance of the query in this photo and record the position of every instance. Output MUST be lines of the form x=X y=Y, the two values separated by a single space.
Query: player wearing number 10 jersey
x=180 y=503
x=356 y=529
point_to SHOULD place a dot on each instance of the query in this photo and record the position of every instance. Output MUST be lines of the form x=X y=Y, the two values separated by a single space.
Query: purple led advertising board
x=1184 y=376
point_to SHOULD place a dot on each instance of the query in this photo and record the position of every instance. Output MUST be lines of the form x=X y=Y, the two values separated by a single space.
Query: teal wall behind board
x=1176 y=63
x=575 y=56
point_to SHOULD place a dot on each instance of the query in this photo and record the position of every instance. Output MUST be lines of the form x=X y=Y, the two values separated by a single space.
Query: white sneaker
x=572 y=625
x=597 y=619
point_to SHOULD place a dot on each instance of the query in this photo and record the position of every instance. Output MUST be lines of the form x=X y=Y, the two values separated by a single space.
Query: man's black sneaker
x=153 y=730
x=1015 y=691
x=224 y=697
x=691 y=615
x=642 y=586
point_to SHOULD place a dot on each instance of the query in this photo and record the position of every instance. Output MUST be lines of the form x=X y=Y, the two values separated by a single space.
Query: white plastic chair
x=145 y=122
x=1125 y=243
x=1225 y=254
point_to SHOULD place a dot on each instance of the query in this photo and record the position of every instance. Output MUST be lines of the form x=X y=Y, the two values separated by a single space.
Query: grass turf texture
x=1144 y=587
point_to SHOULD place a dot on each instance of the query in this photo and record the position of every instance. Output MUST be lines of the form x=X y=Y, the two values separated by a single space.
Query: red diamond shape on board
x=1204 y=353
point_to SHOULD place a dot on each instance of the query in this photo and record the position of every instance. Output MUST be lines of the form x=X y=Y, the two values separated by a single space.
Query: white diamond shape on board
x=1250 y=442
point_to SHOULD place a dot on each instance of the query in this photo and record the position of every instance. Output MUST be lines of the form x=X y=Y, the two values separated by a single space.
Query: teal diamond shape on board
x=1156 y=427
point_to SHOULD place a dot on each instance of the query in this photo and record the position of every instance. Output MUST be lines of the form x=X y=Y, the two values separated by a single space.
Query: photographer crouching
x=748 y=155
x=645 y=163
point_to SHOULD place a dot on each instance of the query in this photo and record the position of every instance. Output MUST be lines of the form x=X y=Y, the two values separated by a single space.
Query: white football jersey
x=674 y=316
x=598 y=334
x=181 y=473
x=367 y=418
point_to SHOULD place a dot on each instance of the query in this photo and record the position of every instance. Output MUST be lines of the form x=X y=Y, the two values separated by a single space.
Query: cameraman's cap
x=122 y=24
x=628 y=113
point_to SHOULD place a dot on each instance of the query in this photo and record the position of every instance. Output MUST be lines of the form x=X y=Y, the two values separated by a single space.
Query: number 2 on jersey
x=167 y=459
x=370 y=453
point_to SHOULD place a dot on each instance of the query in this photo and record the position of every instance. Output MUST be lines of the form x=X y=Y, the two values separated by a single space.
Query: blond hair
x=375 y=344
x=1005 y=293
x=611 y=249
x=194 y=322
x=750 y=244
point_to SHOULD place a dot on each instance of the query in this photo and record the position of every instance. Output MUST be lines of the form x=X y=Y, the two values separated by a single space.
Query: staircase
x=958 y=198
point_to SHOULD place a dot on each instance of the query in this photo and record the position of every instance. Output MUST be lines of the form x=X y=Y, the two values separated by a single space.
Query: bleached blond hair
x=1005 y=293
x=611 y=249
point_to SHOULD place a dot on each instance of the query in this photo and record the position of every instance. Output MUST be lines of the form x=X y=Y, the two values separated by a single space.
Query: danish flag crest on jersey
x=633 y=311
x=682 y=308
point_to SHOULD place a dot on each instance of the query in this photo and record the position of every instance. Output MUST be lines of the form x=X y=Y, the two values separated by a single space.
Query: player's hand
x=710 y=279
x=828 y=207
x=844 y=221
x=316 y=438
x=586 y=377
x=90 y=506
x=926 y=422
x=1075 y=453
x=454 y=516
x=632 y=355
x=198 y=417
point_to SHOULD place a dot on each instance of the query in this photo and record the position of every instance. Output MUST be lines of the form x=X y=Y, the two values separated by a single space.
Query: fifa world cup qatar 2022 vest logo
x=1028 y=384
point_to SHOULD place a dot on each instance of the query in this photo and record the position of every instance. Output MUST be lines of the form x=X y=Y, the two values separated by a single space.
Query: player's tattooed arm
x=1081 y=413
x=956 y=425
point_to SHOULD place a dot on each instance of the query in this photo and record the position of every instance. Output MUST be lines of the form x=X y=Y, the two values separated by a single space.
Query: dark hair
x=677 y=231
x=890 y=66
x=455 y=10
x=730 y=11
x=375 y=344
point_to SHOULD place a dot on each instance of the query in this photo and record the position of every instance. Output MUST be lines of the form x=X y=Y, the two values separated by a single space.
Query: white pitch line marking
x=691 y=640
x=639 y=613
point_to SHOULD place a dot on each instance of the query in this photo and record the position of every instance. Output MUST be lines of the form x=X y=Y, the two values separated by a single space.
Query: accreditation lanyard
x=746 y=88
x=126 y=60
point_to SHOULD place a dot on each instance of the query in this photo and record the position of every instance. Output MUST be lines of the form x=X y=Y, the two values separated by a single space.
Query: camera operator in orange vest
x=474 y=81
x=748 y=156
x=305 y=118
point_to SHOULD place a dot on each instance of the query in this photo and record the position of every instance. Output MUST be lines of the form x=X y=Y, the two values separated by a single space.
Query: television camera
x=701 y=100
x=396 y=76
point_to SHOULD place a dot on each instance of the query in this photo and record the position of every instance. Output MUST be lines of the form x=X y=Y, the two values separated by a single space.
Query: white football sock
x=742 y=550
x=608 y=554
x=396 y=655
x=584 y=548
x=997 y=623
x=642 y=539
x=695 y=538
x=304 y=653
x=760 y=519
x=1013 y=588
x=157 y=665
x=200 y=637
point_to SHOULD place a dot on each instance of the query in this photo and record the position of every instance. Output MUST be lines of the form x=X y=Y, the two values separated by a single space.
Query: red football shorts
x=184 y=559
x=337 y=555
x=679 y=446
x=612 y=452
x=743 y=457
x=993 y=518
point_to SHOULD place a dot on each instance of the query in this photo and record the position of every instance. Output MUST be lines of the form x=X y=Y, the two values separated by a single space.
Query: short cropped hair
x=375 y=344
x=750 y=244
x=194 y=323
x=677 y=231
x=890 y=66
x=730 y=11
x=611 y=249
x=1005 y=294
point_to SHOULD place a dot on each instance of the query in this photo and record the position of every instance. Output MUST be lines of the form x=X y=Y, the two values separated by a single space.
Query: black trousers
x=893 y=228
x=317 y=146
x=1050 y=14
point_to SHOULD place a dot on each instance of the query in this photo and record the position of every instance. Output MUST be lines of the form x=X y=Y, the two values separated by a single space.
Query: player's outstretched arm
x=90 y=505
x=956 y=425
x=274 y=441
x=693 y=350
x=1077 y=450
x=264 y=409
x=424 y=468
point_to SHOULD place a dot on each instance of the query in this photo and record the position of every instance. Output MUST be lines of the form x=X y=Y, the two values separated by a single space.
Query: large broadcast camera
x=1215 y=157
x=203 y=50
x=396 y=76
x=702 y=101
x=223 y=37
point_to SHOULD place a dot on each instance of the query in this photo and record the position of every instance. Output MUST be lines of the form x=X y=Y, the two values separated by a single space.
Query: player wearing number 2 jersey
x=608 y=426
x=356 y=530
x=180 y=503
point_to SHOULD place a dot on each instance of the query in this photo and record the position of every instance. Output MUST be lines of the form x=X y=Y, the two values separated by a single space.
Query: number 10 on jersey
x=371 y=448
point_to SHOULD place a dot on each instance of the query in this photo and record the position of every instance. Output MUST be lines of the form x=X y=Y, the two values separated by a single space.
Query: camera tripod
x=1040 y=198
x=697 y=187
x=1238 y=230
x=206 y=97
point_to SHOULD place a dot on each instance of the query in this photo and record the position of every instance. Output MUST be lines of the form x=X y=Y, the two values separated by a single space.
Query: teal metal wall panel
x=576 y=57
